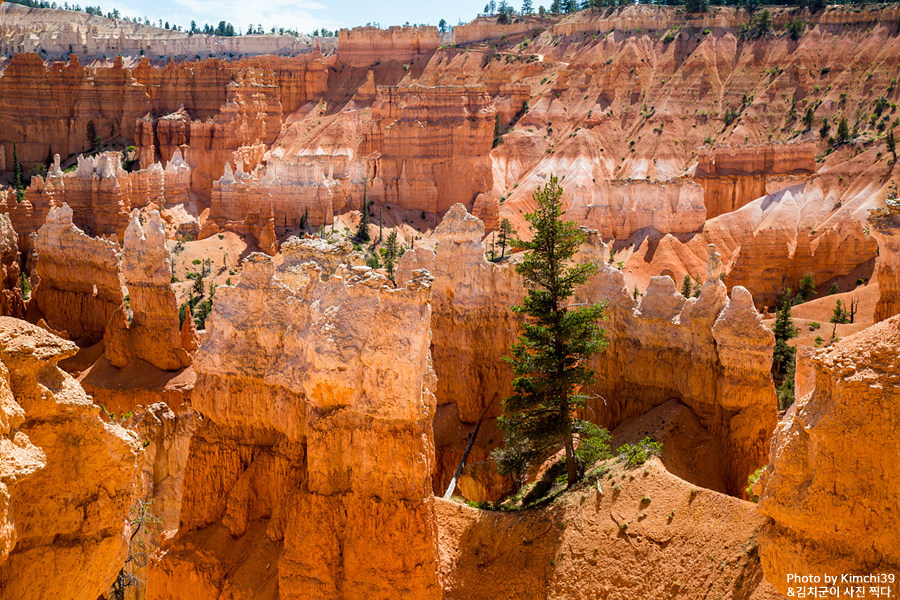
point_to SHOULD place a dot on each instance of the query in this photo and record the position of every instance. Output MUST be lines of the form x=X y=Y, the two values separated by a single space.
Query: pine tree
x=304 y=220
x=505 y=231
x=380 y=226
x=527 y=7
x=784 y=355
x=807 y=289
x=843 y=132
x=19 y=183
x=687 y=286
x=549 y=360
x=362 y=232
x=391 y=253
x=808 y=118
x=698 y=287
x=840 y=314
x=891 y=144
x=498 y=131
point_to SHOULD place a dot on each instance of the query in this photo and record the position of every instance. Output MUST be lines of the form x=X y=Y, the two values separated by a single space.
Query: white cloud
x=301 y=15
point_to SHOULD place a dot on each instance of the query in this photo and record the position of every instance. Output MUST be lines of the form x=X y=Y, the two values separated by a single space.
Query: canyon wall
x=717 y=353
x=51 y=108
x=59 y=459
x=732 y=177
x=79 y=285
x=433 y=145
x=617 y=209
x=315 y=453
x=59 y=33
x=314 y=186
x=490 y=28
x=831 y=491
x=363 y=46
x=419 y=140
x=772 y=159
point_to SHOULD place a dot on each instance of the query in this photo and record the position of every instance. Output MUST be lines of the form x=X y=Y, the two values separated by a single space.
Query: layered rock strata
x=621 y=208
x=59 y=33
x=288 y=190
x=59 y=459
x=431 y=145
x=316 y=450
x=363 y=46
x=831 y=491
x=52 y=109
x=732 y=177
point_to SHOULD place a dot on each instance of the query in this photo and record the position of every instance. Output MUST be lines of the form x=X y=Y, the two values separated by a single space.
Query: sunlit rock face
x=59 y=460
x=316 y=448
x=831 y=489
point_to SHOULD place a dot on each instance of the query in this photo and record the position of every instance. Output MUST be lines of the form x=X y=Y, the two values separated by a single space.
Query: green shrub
x=637 y=454
x=593 y=444
x=752 y=480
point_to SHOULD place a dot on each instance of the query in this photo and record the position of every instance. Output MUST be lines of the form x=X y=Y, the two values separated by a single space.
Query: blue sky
x=302 y=15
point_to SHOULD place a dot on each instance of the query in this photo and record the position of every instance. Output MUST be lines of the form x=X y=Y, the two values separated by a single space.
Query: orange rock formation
x=67 y=480
x=11 y=302
x=830 y=490
x=100 y=193
x=722 y=349
x=330 y=476
x=885 y=223
x=80 y=285
x=152 y=332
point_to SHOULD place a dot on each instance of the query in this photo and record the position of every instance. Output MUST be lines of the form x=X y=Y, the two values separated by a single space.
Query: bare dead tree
x=139 y=518
x=854 y=305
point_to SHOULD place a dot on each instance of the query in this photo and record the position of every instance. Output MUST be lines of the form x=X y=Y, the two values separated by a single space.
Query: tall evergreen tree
x=784 y=355
x=843 y=132
x=549 y=360
x=505 y=234
x=807 y=289
x=891 y=144
x=527 y=7
x=687 y=286
x=18 y=182
x=391 y=253
x=362 y=232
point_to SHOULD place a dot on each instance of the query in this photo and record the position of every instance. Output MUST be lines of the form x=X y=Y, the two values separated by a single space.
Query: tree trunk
x=571 y=466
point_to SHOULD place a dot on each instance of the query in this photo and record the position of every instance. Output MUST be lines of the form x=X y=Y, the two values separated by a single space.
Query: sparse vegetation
x=637 y=454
